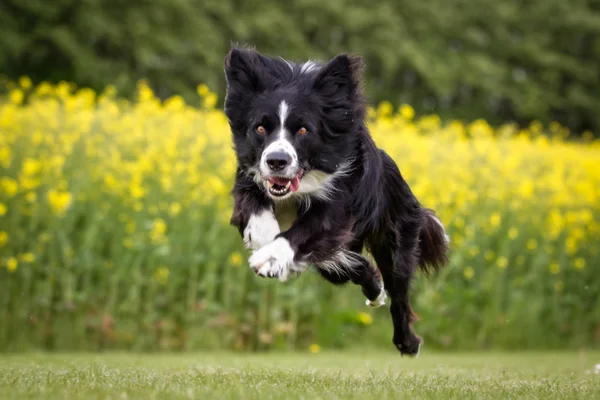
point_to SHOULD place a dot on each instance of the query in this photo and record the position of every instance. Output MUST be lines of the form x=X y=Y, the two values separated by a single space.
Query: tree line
x=502 y=60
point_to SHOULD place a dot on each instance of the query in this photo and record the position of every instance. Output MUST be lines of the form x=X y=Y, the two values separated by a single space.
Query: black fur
x=369 y=206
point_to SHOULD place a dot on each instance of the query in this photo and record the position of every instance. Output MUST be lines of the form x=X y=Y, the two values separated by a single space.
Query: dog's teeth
x=270 y=184
x=287 y=185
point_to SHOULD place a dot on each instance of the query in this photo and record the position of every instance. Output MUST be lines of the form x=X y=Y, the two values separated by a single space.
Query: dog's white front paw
x=379 y=301
x=275 y=260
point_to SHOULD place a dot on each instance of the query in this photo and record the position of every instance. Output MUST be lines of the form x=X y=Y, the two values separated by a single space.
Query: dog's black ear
x=245 y=70
x=341 y=76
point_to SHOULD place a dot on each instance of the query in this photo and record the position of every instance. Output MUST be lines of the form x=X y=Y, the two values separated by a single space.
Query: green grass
x=300 y=376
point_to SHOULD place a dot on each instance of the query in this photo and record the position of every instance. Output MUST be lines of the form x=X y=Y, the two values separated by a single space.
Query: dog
x=312 y=188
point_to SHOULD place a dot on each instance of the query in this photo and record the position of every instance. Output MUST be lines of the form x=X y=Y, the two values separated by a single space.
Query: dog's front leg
x=315 y=236
x=253 y=214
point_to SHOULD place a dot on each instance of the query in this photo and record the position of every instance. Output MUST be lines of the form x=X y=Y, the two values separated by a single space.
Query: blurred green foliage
x=496 y=59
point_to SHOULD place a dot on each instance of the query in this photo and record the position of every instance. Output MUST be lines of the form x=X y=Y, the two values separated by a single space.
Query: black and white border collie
x=312 y=188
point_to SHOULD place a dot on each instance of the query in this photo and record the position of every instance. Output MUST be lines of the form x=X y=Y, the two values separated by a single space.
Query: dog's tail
x=434 y=243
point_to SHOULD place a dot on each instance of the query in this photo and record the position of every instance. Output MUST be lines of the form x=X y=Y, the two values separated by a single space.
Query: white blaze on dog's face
x=279 y=160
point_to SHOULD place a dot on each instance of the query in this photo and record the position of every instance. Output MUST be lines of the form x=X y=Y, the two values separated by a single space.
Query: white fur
x=275 y=260
x=261 y=230
x=308 y=67
x=289 y=64
x=437 y=221
x=379 y=301
x=281 y=144
x=418 y=350
x=340 y=262
x=320 y=185
x=283 y=112
x=256 y=176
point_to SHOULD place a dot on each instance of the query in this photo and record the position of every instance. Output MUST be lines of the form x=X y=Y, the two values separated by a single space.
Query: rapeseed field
x=114 y=232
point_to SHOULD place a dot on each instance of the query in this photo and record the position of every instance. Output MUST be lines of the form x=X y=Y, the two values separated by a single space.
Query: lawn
x=326 y=375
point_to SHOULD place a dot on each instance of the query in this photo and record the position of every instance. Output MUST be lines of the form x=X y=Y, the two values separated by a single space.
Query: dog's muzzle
x=278 y=160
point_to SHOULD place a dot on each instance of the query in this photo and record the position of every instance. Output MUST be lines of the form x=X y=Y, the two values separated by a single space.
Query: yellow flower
x=216 y=185
x=489 y=255
x=31 y=197
x=468 y=273
x=579 y=263
x=161 y=275
x=571 y=245
x=159 y=228
x=44 y=89
x=235 y=259
x=502 y=262
x=12 y=264
x=27 y=182
x=3 y=209
x=3 y=238
x=554 y=268
x=145 y=93
x=385 y=109
x=175 y=209
x=175 y=103
x=407 y=112
x=9 y=186
x=25 y=82
x=31 y=166
x=202 y=90
x=532 y=244
x=513 y=233
x=314 y=348
x=526 y=189
x=110 y=181
x=137 y=191
x=16 y=96
x=59 y=201
x=364 y=318
x=27 y=257
x=495 y=219
x=210 y=100
x=5 y=157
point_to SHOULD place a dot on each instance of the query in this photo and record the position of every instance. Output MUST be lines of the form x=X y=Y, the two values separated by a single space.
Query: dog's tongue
x=295 y=184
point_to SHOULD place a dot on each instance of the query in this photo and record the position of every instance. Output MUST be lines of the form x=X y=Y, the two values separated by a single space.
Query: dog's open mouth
x=279 y=186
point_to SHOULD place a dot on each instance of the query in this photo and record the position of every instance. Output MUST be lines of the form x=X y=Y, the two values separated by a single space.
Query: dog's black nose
x=278 y=160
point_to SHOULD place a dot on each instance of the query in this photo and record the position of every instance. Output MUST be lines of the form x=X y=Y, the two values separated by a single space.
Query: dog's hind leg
x=347 y=266
x=396 y=266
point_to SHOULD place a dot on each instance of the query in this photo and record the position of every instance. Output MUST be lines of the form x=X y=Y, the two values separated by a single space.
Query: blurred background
x=116 y=166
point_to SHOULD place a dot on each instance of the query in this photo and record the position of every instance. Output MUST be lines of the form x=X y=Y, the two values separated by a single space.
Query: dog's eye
x=302 y=131
x=261 y=130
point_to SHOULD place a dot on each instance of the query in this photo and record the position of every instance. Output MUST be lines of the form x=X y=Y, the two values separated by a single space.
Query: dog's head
x=294 y=126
